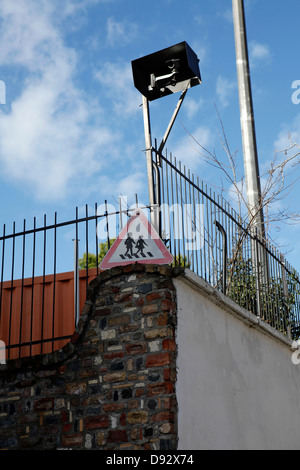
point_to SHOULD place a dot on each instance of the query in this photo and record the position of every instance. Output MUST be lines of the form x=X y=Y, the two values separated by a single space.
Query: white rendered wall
x=237 y=387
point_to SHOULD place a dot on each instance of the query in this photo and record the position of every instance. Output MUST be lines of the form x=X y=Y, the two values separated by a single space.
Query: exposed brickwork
x=113 y=385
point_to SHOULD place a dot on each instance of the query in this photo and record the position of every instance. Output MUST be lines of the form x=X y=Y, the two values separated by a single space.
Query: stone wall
x=113 y=385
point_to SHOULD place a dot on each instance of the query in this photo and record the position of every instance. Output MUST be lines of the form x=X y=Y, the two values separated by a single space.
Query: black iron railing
x=44 y=264
x=45 y=271
x=207 y=235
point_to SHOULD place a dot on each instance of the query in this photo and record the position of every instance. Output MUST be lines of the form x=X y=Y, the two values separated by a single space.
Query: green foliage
x=241 y=283
x=90 y=260
x=181 y=261
x=278 y=307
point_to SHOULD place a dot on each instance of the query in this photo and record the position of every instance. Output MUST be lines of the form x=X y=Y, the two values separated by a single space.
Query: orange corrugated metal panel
x=28 y=314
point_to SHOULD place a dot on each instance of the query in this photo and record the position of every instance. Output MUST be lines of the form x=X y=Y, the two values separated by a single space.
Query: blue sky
x=71 y=127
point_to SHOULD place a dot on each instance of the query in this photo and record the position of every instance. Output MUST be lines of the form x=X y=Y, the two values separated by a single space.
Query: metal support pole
x=256 y=252
x=254 y=197
x=148 y=142
x=286 y=319
x=177 y=109
x=120 y=214
x=76 y=282
x=224 y=238
x=247 y=118
x=157 y=199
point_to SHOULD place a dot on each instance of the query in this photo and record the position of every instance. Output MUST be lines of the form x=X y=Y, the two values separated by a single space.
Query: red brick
x=117 y=436
x=123 y=297
x=170 y=374
x=167 y=373
x=67 y=427
x=123 y=419
x=154 y=296
x=136 y=348
x=64 y=416
x=44 y=404
x=62 y=369
x=128 y=268
x=168 y=305
x=114 y=355
x=74 y=338
x=169 y=345
x=161 y=359
x=163 y=319
x=102 y=312
x=147 y=447
x=162 y=416
x=169 y=402
x=96 y=422
x=113 y=407
x=164 y=388
x=139 y=302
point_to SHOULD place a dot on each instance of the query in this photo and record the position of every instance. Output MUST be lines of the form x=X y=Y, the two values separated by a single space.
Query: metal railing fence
x=44 y=268
x=202 y=231
x=205 y=234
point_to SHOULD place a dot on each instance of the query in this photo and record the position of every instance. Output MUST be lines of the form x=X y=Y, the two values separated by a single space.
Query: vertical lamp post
x=247 y=118
x=255 y=210
x=171 y=70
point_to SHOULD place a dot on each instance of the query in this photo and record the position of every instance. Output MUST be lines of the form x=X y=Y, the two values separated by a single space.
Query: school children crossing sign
x=138 y=242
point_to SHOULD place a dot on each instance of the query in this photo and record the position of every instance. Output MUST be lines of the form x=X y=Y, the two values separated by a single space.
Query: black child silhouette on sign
x=129 y=242
x=140 y=244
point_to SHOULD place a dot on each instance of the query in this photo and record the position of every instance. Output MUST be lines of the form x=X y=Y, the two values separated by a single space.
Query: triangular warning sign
x=138 y=242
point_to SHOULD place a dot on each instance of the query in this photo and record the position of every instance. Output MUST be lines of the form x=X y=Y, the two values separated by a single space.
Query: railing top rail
x=55 y=225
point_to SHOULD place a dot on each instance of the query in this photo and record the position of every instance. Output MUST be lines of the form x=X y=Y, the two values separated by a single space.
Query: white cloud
x=198 y=19
x=224 y=90
x=227 y=15
x=116 y=78
x=259 y=53
x=120 y=33
x=192 y=107
x=127 y=186
x=290 y=134
x=131 y=184
x=52 y=137
x=188 y=150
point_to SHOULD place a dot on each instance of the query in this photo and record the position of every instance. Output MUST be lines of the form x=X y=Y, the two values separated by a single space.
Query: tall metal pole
x=247 y=118
x=255 y=210
x=148 y=142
